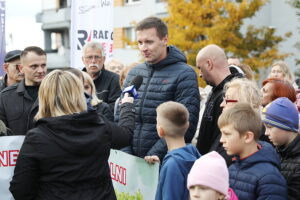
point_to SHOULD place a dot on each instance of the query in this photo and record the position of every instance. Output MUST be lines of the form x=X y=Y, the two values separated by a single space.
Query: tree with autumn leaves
x=194 y=24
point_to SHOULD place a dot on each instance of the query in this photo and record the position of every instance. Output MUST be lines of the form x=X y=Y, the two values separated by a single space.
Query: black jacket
x=66 y=157
x=105 y=110
x=290 y=167
x=171 y=79
x=17 y=109
x=102 y=108
x=209 y=133
x=108 y=87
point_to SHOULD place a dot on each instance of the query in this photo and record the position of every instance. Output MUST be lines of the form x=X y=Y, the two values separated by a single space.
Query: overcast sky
x=21 y=27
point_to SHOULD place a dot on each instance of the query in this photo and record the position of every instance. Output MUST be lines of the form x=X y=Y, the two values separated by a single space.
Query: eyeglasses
x=93 y=57
x=229 y=100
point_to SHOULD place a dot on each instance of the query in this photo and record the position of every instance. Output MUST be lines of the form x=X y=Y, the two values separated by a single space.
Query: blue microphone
x=134 y=86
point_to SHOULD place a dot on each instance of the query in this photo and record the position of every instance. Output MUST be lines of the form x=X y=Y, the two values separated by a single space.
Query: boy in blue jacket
x=172 y=123
x=255 y=173
x=281 y=119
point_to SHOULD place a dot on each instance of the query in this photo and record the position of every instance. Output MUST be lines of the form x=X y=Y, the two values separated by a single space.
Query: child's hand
x=152 y=159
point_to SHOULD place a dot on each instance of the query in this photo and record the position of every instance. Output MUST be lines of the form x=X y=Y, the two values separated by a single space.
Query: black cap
x=11 y=55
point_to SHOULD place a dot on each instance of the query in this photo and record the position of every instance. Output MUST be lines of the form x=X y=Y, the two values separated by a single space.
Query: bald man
x=213 y=66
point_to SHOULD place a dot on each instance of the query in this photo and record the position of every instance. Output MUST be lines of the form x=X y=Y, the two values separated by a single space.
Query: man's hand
x=152 y=159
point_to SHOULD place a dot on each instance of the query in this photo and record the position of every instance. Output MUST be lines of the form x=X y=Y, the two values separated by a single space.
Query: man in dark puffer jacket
x=166 y=77
x=281 y=120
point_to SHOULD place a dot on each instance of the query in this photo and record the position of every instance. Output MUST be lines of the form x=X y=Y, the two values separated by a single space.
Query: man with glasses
x=213 y=66
x=106 y=82
x=11 y=68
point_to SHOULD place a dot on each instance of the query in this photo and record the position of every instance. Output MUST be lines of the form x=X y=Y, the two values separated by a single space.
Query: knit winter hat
x=281 y=113
x=210 y=170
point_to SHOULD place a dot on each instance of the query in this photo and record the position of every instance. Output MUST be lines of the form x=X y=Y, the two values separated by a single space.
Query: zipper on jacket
x=141 y=106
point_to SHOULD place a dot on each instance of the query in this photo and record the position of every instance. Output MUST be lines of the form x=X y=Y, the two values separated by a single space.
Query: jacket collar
x=21 y=90
x=174 y=55
x=221 y=85
x=266 y=154
x=21 y=87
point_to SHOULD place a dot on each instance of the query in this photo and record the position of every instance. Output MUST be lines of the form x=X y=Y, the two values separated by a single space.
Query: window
x=56 y=40
x=130 y=34
x=63 y=3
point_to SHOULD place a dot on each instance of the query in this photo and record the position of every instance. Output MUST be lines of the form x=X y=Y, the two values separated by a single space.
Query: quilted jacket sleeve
x=187 y=93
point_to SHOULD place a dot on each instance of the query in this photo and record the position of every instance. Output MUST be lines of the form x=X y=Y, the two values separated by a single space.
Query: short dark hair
x=153 y=22
x=37 y=50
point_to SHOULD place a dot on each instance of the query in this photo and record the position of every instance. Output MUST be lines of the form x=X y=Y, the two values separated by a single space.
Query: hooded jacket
x=66 y=157
x=257 y=177
x=171 y=79
x=209 y=132
x=290 y=167
x=173 y=174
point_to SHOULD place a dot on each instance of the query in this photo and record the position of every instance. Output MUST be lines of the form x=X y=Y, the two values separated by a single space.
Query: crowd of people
x=232 y=141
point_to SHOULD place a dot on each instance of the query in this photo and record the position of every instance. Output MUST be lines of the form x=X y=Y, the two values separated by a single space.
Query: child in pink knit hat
x=209 y=179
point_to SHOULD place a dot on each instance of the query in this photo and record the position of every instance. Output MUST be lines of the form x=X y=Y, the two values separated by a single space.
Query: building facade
x=55 y=19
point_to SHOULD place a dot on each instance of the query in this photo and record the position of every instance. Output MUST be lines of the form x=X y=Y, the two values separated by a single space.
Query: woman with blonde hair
x=281 y=70
x=241 y=90
x=66 y=155
x=92 y=99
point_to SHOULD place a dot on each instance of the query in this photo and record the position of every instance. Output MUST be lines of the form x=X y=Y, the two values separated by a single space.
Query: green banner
x=133 y=178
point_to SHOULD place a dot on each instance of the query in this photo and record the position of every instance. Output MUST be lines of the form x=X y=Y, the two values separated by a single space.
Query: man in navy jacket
x=166 y=77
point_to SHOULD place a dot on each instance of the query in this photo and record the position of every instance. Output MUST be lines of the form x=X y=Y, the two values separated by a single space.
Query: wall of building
x=127 y=15
x=277 y=14
x=282 y=17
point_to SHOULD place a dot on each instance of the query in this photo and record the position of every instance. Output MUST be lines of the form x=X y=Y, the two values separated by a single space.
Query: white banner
x=132 y=177
x=9 y=151
x=91 y=20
